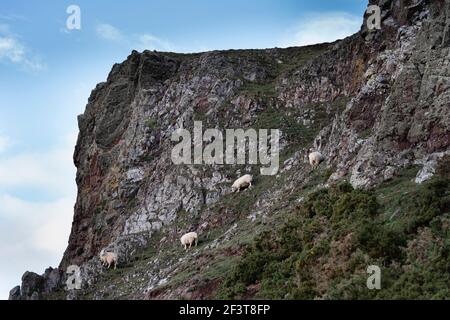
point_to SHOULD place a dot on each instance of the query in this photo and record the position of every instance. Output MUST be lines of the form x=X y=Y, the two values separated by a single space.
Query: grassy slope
x=317 y=249
x=330 y=240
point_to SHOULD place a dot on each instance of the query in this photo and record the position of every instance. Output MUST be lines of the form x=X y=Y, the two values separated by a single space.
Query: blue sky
x=47 y=73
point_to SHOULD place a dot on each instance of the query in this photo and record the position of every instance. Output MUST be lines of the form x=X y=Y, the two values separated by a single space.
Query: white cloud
x=33 y=236
x=40 y=169
x=323 y=27
x=45 y=225
x=13 y=51
x=34 y=233
x=108 y=32
x=150 y=42
x=140 y=42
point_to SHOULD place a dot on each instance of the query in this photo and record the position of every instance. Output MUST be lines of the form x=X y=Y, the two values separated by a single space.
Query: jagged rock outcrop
x=35 y=287
x=14 y=294
x=373 y=103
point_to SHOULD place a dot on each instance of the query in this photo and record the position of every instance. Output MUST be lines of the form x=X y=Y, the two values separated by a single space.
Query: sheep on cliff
x=242 y=183
x=316 y=158
x=108 y=258
x=189 y=239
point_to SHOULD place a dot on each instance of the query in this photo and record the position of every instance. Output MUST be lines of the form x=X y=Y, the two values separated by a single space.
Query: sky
x=47 y=72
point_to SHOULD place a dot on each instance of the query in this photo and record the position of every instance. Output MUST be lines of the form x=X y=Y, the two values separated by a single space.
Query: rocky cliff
x=376 y=104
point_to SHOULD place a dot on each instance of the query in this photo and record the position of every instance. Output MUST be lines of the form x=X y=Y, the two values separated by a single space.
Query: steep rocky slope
x=376 y=104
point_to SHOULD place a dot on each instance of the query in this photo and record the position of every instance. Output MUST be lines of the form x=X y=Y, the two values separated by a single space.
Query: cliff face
x=375 y=104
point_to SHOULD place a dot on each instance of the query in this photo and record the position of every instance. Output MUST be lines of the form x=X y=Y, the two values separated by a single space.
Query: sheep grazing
x=189 y=239
x=316 y=158
x=108 y=258
x=242 y=183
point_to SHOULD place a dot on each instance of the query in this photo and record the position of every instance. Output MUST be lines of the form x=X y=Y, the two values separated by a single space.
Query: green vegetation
x=253 y=89
x=295 y=57
x=336 y=233
x=151 y=124
x=443 y=167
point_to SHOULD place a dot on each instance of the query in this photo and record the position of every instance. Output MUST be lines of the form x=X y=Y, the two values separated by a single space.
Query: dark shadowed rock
x=14 y=294
x=32 y=284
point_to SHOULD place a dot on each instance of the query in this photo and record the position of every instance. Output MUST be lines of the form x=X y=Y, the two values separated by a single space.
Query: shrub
x=380 y=241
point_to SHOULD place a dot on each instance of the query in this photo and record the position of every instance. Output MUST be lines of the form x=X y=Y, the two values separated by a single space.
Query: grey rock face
x=429 y=164
x=401 y=112
x=52 y=279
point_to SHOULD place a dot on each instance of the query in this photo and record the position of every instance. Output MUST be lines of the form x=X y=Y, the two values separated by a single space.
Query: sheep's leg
x=115 y=265
x=196 y=241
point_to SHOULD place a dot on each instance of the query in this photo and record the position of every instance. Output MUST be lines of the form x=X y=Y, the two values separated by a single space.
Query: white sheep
x=242 y=182
x=108 y=258
x=316 y=158
x=189 y=239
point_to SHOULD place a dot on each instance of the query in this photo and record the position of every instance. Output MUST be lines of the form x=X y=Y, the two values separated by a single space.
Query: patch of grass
x=220 y=267
x=294 y=58
x=151 y=123
x=253 y=89
x=242 y=202
x=366 y=133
